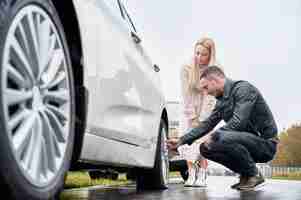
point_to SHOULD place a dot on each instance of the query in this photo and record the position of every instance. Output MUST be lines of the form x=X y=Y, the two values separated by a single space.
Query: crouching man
x=250 y=133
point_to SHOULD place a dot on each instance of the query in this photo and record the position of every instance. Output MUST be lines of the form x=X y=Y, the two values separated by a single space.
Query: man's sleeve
x=204 y=128
x=245 y=98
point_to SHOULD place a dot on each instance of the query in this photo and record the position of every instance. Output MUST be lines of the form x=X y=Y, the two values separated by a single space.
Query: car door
x=146 y=81
x=115 y=103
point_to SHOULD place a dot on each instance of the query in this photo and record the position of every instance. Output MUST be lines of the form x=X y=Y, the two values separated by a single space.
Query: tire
x=37 y=104
x=156 y=178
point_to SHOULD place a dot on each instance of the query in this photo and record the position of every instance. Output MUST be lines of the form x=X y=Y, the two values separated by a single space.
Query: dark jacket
x=243 y=109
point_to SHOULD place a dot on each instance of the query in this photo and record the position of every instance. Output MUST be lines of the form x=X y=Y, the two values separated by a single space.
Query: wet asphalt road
x=218 y=188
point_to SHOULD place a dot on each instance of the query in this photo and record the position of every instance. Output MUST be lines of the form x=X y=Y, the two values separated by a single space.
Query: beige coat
x=195 y=108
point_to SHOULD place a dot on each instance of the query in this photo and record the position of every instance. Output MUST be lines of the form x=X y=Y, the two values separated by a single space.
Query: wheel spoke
x=37 y=22
x=51 y=147
x=59 y=79
x=37 y=152
x=21 y=60
x=45 y=159
x=56 y=126
x=17 y=118
x=16 y=96
x=60 y=96
x=45 y=40
x=23 y=38
x=17 y=77
x=55 y=65
x=58 y=112
x=34 y=37
x=23 y=135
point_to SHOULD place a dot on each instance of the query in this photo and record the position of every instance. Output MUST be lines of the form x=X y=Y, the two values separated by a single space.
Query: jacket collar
x=227 y=88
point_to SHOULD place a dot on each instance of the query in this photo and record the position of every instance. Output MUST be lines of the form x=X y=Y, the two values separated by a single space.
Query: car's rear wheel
x=156 y=178
x=36 y=100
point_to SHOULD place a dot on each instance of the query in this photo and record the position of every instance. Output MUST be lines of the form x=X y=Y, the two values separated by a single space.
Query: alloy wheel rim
x=164 y=158
x=36 y=94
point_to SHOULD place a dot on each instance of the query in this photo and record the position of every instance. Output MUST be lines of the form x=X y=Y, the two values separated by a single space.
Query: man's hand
x=172 y=144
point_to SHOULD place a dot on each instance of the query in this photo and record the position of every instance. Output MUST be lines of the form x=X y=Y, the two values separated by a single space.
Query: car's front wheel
x=36 y=100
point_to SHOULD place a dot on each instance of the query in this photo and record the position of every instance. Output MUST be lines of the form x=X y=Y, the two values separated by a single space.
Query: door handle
x=156 y=68
x=135 y=37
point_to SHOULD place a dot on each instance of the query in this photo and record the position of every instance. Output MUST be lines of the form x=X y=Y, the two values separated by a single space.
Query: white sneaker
x=200 y=178
x=191 y=178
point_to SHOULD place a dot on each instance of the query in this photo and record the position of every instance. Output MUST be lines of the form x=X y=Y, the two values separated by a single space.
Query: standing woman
x=196 y=107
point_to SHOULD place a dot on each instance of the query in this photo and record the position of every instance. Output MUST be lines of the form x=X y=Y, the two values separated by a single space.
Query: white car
x=76 y=86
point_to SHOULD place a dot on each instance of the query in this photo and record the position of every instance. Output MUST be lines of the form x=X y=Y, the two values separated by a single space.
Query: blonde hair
x=195 y=71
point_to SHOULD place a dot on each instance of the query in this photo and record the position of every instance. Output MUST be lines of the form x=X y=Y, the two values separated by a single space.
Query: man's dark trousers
x=239 y=151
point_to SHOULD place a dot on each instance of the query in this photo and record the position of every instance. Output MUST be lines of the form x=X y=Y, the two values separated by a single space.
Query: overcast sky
x=255 y=40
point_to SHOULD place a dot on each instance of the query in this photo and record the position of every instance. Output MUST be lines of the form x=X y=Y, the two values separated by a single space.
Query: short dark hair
x=212 y=70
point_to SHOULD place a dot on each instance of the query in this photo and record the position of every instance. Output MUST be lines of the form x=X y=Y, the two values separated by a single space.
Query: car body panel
x=125 y=96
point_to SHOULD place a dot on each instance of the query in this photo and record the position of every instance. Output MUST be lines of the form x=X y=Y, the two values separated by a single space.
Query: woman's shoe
x=191 y=178
x=200 y=178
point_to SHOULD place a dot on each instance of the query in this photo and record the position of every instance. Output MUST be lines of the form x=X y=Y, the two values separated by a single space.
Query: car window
x=114 y=5
x=126 y=16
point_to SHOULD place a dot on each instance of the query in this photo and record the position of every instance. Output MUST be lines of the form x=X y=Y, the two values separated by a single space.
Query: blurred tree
x=289 y=148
